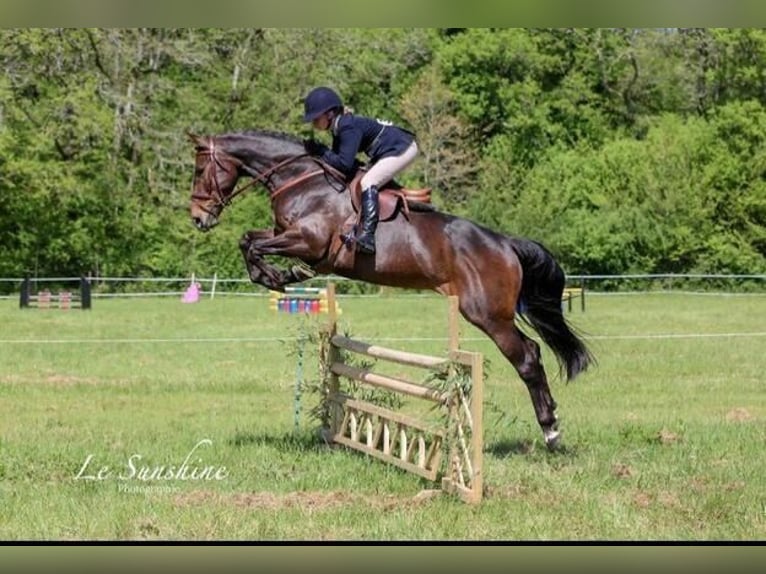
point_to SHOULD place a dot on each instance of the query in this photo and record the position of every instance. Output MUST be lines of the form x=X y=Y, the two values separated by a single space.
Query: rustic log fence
x=405 y=441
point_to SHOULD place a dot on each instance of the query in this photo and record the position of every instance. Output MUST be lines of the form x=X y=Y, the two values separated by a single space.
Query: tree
x=448 y=160
x=621 y=149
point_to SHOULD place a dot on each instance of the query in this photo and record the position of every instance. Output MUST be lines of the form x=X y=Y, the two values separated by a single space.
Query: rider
x=390 y=148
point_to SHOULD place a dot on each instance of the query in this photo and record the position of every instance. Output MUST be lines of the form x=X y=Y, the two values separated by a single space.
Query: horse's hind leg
x=531 y=371
x=524 y=355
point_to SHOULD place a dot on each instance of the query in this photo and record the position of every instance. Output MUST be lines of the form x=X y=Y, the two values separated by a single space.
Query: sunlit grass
x=662 y=440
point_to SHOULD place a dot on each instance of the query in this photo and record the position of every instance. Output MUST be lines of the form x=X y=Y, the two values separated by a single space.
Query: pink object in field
x=192 y=293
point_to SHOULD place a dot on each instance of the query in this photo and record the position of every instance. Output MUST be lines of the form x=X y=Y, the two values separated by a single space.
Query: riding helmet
x=319 y=101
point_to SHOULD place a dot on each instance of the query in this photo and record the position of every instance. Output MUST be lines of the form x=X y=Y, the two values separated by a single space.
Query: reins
x=264 y=177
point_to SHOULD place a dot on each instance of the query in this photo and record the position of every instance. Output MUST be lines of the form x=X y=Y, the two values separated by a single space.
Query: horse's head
x=215 y=175
x=269 y=158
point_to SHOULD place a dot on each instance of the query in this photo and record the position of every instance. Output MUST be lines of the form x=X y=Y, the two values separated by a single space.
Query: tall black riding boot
x=370 y=214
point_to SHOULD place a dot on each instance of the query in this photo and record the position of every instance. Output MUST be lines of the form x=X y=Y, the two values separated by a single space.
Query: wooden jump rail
x=402 y=440
x=45 y=299
x=571 y=293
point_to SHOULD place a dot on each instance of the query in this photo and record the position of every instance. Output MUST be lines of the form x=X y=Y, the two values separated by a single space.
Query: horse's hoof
x=552 y=438
x=255 y=277
x=302 y=274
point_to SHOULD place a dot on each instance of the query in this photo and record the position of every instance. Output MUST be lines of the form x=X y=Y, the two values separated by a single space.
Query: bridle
x=217 y=157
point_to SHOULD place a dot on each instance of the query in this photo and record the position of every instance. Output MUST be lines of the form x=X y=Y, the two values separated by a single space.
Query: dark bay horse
x=496 y=277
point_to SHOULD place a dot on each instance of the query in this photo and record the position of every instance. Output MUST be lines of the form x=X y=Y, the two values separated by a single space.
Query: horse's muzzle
x=205 y=223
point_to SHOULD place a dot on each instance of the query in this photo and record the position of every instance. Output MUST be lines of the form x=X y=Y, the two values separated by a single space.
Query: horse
x=496 y=277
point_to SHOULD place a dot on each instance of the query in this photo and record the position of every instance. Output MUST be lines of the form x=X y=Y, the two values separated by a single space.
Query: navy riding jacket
x=353 y=134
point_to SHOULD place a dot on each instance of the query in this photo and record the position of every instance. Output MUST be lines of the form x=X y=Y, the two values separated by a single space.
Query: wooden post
x=477 y=432
x=453 y=323
x=332 y=315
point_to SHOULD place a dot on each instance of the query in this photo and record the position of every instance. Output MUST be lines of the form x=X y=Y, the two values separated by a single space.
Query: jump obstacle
x=309 y=300
x=402 y=440
x=571 y=293
x=306 y=301
x=45 y=299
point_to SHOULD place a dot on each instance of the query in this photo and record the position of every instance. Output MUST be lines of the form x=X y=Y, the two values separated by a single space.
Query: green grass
x=663 y=440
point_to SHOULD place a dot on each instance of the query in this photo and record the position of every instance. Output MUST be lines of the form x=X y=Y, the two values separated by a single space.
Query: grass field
x=663 y=440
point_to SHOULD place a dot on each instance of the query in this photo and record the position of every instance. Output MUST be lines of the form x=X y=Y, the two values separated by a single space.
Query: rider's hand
x=314 y=147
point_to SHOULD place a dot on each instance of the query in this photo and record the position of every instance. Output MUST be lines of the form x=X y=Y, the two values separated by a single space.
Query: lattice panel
x=390 y=436
x=461 y=467
x=466 y=445
x=402 y=440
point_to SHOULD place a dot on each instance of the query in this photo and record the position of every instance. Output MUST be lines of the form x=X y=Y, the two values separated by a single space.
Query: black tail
x=540 y=306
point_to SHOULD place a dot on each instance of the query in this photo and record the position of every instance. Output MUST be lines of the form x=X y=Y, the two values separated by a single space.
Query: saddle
x=391 y=197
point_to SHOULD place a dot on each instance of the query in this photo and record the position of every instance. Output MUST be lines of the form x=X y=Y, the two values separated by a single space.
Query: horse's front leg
x=254 y=265
x=264 y=273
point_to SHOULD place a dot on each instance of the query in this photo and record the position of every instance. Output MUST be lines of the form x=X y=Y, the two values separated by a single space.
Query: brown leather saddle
x=392 y=197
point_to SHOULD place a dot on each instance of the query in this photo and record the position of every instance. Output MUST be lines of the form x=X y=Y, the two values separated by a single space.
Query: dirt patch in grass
x=310 y=501
x=69 y=380
x=667 y=437
x=54 y=379
x=665 y=499
x=620 y=470
x=739 y=415
x=317 y=501
x=699 y=484
x=642 y=499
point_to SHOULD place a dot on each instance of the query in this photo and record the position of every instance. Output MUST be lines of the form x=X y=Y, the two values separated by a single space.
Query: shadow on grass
x=504 y=448
x=305 y=443
x=299 y=442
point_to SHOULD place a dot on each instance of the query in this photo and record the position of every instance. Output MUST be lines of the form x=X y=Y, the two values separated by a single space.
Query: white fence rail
x=109 y=287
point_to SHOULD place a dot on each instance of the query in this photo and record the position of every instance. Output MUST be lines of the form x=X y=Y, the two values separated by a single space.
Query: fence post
x=212 y=289
x=477 y=430
x=24 y=296
x=84 y=293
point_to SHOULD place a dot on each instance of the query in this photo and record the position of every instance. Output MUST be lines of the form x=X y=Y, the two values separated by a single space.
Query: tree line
x=622 y=150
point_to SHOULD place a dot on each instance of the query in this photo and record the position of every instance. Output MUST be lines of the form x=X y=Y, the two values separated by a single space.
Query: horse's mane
x=282 y=136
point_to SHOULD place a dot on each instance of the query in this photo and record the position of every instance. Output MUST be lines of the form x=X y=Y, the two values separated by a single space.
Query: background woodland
x=622 y=150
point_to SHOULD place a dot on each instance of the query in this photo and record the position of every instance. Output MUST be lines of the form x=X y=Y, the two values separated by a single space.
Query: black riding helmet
x=318 y=101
